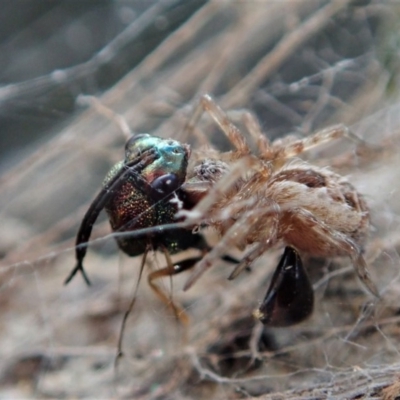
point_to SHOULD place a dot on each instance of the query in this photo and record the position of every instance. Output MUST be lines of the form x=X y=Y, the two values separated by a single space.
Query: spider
x=266 y=199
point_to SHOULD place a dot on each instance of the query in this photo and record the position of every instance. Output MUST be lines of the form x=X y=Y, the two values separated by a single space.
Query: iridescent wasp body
x=145 y=190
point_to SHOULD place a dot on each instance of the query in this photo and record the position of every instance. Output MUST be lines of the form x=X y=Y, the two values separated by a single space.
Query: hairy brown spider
x=269 y=199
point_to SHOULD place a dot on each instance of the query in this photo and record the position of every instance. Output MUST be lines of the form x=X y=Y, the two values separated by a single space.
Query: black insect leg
x=290 y=296
x=132 y=169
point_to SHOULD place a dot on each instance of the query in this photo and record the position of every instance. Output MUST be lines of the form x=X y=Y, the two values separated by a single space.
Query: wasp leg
x=132 y=169
x=128 y=311
x=174 y=269
x=290 y=296
x=170 y=270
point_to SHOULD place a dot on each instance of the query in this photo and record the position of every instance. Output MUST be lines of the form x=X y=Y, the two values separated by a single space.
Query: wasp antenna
x=78 y=267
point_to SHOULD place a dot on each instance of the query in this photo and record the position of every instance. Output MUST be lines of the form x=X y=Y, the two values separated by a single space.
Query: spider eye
x=164 y=185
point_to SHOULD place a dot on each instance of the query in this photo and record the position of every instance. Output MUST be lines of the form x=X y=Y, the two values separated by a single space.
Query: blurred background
x=298 y=66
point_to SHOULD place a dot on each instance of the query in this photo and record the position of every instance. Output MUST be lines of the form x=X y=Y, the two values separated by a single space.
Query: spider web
x=299 y=66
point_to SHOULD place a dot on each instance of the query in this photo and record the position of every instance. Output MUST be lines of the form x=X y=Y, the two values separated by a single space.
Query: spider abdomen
x=306 y=207
x=317 y=208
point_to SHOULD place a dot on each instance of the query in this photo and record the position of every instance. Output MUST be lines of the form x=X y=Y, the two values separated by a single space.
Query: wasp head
x=172 y=156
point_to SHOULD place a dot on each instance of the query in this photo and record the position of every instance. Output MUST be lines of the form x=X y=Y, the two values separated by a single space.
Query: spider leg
x=289 y=150
x=230 y=238
x=260 y=139
x=342 y=242
x=133 y=169
x=253 y=128
x=260 y=249
x=284 y=149
x=273 y=221
x=207 y=104
x=290 y=296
